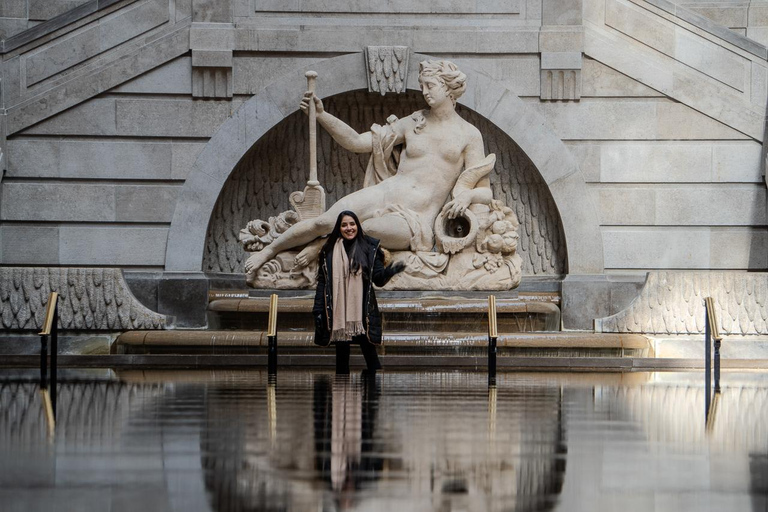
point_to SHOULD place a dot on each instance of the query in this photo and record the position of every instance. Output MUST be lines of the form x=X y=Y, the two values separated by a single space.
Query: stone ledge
x=56 y=23
x=709 y=26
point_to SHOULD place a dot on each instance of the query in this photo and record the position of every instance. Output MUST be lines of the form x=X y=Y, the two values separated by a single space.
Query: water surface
x=236 y=440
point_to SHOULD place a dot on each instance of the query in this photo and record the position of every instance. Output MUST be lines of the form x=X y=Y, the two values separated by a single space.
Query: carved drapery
x=278 y=164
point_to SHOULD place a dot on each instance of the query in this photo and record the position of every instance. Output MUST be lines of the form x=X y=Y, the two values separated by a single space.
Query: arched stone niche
x=278 y=164
x=489 y=99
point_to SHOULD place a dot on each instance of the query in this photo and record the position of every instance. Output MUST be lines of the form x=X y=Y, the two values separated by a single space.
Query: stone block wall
x=661 y=105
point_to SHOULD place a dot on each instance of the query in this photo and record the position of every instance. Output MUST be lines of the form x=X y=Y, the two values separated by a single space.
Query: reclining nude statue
x=426 y=187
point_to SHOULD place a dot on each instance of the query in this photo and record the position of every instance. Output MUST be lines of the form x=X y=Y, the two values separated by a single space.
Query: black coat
x=376 y=274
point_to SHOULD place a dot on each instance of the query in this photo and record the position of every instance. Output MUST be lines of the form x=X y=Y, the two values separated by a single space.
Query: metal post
x=717 y=366
x=54 y=356
x=49 y=326
x=707 y=363
x=493 y=334
x=272 y=336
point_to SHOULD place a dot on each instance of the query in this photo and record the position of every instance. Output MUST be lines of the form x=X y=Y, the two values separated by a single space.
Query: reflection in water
x=232 y=441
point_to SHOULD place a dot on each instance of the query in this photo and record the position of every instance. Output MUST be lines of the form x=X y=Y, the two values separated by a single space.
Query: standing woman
x=345 y=307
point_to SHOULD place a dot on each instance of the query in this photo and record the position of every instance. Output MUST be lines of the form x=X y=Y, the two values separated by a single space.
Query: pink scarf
x=347 y=297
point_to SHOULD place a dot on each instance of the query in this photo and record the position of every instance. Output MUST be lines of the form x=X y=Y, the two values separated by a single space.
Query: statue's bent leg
x=393 y=232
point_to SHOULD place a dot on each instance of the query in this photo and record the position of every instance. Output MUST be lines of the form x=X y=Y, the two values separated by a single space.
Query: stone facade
x=641 y=123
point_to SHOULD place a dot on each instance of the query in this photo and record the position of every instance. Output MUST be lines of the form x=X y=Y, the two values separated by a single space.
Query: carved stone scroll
x=387 y=68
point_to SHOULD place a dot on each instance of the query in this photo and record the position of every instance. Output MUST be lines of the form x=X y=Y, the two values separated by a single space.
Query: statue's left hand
x=457 y=206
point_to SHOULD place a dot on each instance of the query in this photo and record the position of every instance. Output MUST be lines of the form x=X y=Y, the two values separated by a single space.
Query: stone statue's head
x=447 y=73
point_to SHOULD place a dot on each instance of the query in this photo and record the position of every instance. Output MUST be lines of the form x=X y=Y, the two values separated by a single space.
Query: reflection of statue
x=406 y=192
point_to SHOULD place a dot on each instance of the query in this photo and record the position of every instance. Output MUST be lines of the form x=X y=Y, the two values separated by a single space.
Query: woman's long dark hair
x=358 y=258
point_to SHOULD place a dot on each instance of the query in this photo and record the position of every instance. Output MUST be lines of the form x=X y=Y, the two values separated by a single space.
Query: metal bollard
x=50 y=329
x=711 y=333
x=272 y=336
x=493 y=334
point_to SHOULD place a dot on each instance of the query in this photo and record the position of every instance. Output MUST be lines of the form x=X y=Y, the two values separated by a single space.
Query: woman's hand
x=458 y=205
x=304 y=105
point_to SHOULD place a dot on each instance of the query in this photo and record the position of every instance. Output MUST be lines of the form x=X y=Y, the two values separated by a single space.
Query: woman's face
x=348 y=227
x=434 y=90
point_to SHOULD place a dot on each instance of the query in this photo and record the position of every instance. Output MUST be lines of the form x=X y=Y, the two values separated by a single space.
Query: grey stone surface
x=739 y=248
x=212 y=36
x=732 y=16
x=90 y=82
x=86 y=43
x=636 y=119
x=131 y=22
x=251 y=73
x=183 y=10
x=13 y=9
x=101 y=160
x=652 y=162
x=400 y=6
x=88 y=202
x=561 y=60
x=29 y=245
x=171 y=78
x=657 y=248
x=674 y=79
x=595 y=296
x=145 y=203
x=57 y=202
x=183 y=156
x=736 y=162
x=184 y=296
x=561 y=12
x=112 y=245
x=218 y=11
x=689 y=205
x=46 y=9
x=10 y=27
x=561 y=39
x=170 y=118
x=144 y=286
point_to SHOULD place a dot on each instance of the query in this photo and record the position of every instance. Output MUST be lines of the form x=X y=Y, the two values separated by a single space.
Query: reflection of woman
x=347 y=455
x=345 y=307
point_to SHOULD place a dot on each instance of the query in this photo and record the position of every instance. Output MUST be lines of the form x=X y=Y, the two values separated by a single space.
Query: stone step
x=570 y=344
x=418 y=315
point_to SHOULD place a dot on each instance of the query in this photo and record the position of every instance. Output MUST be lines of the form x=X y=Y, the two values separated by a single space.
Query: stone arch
x=492 y=100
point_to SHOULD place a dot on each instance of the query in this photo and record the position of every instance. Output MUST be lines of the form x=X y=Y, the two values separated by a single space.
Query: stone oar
x=311 y=202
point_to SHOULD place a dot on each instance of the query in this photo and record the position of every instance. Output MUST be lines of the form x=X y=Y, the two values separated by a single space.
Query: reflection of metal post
x=707 y=362
x=272 y=336
x=272 y=410
x=493 y=334
x=43 y=361
x=492 y=399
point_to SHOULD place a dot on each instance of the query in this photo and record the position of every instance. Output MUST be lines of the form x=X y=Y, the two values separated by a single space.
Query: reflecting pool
x=444 y=441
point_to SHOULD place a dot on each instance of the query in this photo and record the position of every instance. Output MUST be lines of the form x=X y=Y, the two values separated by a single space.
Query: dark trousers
x=342 y=356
